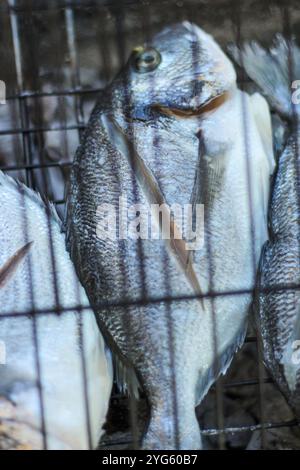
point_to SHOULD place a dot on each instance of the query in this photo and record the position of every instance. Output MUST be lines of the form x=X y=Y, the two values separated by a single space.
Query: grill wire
x=89 y=41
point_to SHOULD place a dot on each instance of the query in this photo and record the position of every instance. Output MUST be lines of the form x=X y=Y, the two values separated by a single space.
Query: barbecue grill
x=55 y=58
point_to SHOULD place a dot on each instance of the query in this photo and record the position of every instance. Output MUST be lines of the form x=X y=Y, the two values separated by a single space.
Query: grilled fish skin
x=26 y=224
x=278 y=311
x=173 y=134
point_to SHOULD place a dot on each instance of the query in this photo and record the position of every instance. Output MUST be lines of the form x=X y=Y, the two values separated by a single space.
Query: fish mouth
x=207 y=107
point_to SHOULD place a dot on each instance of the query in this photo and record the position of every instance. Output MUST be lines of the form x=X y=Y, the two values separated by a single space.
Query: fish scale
x=73 y=419
x=151 y=131
x=278 y=311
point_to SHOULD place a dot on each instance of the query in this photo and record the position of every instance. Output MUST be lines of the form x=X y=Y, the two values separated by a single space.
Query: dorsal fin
x=34 y=196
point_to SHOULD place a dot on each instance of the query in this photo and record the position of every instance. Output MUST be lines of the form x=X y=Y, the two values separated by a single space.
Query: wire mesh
x=61 y=55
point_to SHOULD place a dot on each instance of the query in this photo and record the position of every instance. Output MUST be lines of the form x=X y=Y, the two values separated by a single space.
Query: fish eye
x=146 y=60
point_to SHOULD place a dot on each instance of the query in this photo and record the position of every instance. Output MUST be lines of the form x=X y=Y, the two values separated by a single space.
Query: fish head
x=180 y=71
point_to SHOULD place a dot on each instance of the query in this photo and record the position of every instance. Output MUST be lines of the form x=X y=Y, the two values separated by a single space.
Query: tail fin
x=291 y=357
x=274 y=71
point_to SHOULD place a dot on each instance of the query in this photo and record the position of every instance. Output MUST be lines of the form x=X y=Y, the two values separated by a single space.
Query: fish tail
x=126 y=379
x=291 y=357
x=171 y=398
x=276 y=71
x=166 y=433
x=220 y=365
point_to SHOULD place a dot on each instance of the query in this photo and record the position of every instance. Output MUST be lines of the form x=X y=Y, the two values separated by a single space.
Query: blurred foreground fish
x=170 y=130
x=278 y=310
x=30 y=281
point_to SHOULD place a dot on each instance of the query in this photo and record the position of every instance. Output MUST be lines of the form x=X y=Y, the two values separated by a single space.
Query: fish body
x=37 y=275
x=173 y=135
x=278 y=310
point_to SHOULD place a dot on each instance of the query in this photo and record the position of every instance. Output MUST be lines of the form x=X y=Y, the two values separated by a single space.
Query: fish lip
x=194 y=111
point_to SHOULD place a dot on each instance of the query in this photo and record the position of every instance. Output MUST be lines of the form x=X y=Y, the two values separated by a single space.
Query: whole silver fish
x=169 y=130
x=30 y=235
x=278 y=310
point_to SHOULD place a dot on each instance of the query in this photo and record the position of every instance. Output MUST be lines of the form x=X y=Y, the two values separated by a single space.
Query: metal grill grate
x=55 y=58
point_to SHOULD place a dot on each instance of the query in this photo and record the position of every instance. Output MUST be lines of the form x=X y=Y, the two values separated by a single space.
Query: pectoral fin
x=153 y=194
x=10 y=267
